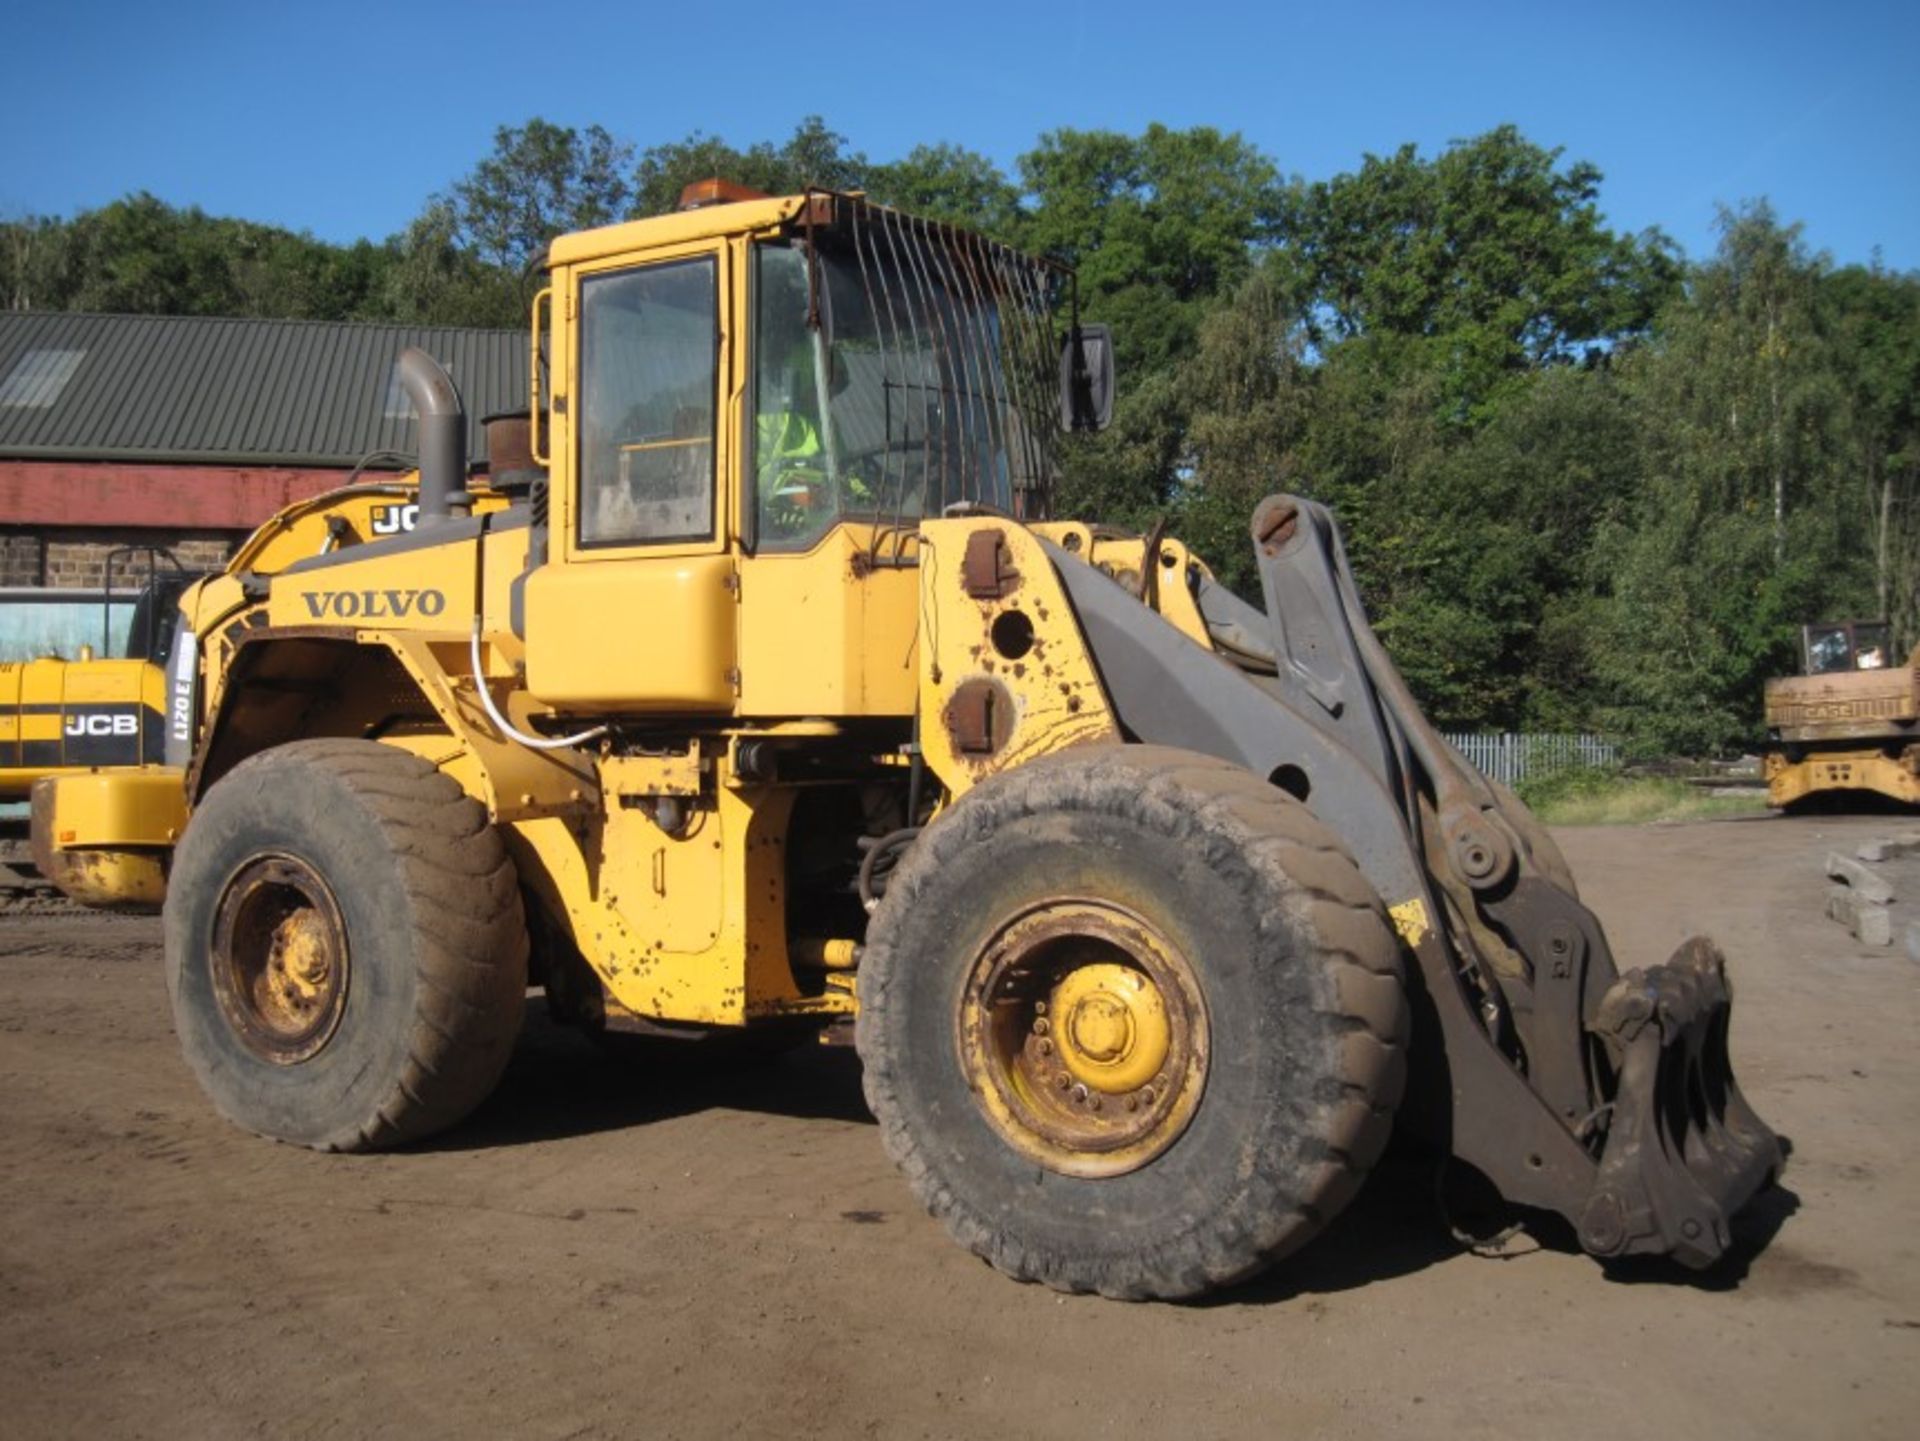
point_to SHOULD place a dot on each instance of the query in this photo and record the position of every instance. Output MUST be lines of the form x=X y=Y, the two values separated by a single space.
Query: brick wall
x=78 y=558
x=19 y=558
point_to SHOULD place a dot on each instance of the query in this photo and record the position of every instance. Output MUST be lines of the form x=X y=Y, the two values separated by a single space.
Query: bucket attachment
x=1683 y=1151
x=1608 y=1099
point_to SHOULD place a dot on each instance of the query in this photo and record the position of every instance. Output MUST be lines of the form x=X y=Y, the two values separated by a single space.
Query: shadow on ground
x=560 y=1085
x=1394 y=1227
x=1753 y=1232
x=1851 y=803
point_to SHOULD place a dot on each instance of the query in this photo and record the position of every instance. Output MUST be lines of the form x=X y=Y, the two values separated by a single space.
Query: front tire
x=346 y=950
x=1132 y=1022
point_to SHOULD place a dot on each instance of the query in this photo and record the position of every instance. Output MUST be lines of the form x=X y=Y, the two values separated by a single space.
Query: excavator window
x=1829 y=649
x=649 y=374
x=1847 y=645
x=150 y=630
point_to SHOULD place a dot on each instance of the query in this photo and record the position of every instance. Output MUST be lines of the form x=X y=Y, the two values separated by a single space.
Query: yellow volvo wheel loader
x=780 y=705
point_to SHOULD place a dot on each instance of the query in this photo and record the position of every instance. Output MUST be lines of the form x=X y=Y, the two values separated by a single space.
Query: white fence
x=1511 y=758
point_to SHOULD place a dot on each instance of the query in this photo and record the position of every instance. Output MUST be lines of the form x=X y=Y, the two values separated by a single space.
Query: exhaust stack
x=443 y=433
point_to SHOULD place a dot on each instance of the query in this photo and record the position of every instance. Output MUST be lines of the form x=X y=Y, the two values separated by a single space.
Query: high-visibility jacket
x=784 y=436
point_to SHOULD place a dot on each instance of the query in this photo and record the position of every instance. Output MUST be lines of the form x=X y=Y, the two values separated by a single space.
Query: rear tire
x=1276 y=1010
x=346 y=950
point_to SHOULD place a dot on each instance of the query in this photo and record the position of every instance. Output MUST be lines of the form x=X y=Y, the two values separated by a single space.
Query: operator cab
x=891 y=369
x=757 y=381
x=150 y=628
x=1839 y=646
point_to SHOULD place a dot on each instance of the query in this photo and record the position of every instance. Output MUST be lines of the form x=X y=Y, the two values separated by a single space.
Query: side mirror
x=1086 y=378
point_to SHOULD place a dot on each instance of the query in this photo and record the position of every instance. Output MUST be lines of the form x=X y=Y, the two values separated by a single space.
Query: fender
x=304 y=681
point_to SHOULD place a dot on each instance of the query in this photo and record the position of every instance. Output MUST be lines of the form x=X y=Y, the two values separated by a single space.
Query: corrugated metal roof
x=263 y=392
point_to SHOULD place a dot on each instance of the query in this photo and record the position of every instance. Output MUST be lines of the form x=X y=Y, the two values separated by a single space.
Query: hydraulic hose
x=505 y=726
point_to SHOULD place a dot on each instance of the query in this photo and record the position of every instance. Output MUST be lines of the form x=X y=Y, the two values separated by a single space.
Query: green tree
x=1159 y=226
x=34 y=255
x=541 y=180
x=140 y=255
x=812 y=156
x=1493 y=247
x=1738 y=531
x=431 y=279
x=1873 y=317
x=1248 y=395
x=946 y=182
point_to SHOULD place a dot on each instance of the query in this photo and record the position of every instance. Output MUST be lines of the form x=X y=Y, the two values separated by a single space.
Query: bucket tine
x=1684 y=1151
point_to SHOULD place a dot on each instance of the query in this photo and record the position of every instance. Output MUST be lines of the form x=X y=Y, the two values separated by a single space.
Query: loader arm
x=1606 y=1098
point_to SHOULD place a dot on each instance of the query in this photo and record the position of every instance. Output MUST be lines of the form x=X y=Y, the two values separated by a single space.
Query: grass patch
x=1587 y=797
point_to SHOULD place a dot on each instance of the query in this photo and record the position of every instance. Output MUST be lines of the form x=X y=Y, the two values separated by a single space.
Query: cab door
x=635 y=612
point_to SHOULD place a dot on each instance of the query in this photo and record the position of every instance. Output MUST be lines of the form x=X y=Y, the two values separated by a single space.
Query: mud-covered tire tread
x=1363 y=1021
x=462 y=928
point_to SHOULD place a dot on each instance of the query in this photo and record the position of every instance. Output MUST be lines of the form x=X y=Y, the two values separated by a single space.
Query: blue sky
x=340 y=118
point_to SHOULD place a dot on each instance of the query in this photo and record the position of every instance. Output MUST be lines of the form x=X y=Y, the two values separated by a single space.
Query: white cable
x=538 y=743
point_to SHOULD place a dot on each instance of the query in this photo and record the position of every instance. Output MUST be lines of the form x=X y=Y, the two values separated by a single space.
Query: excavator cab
x=151 y=623
x=1849 y=724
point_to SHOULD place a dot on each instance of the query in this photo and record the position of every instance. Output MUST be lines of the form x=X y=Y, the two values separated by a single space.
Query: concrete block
x=1905 y=844
x=1871 y=924
x=1868 y=884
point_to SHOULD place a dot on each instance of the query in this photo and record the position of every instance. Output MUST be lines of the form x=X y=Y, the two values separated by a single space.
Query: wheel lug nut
x=1042 y=1026
x=1095 y=1103
x=1146 y=1096
x=1039 y=1008
x=1064 y=1081
x=1080 y=1095
x=1133 y=1103
x=1046 y=1046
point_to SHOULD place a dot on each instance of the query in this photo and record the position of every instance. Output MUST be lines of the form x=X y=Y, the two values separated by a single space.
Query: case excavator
x=1849 y=723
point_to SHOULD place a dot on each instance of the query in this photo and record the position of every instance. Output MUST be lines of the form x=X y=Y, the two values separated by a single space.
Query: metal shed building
x=188 y=432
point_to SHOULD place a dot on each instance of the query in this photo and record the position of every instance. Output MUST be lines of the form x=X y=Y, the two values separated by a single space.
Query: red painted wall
x=170 y=497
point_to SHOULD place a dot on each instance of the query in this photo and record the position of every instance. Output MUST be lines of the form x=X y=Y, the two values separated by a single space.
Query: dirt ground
x=611 y=1251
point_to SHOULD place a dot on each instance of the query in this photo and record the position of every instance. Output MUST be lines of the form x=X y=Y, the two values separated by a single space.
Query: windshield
x=1828 y=650
x=899 y=369
x=1863 y=645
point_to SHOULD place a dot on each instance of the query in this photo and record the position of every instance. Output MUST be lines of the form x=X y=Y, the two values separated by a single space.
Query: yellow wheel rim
x=279 y=959
x=1110 y=1029
x=1084 y=1037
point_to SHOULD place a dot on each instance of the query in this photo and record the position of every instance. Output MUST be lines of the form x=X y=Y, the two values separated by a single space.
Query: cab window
x=1871 y=646
x=1828 y=650
x=649 y=378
